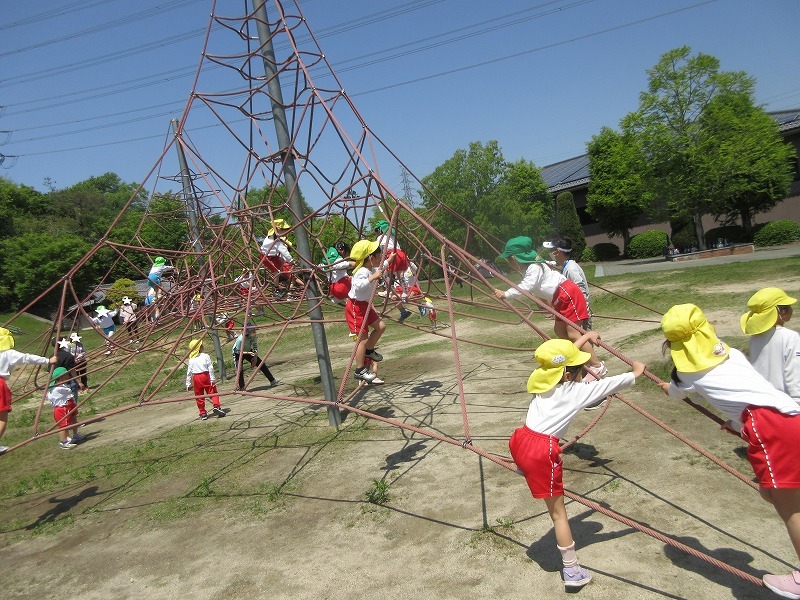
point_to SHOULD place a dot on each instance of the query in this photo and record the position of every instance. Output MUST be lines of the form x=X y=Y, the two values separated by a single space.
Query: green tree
x=568 y=223
x=669 y=127
x=745 y=159
x=617 y=189
x=480 y=187
x=35 y=261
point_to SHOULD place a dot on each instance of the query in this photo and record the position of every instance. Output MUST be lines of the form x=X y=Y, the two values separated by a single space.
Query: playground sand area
x=270 y=502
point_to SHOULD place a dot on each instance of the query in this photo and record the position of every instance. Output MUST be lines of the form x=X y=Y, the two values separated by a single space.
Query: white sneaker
x=67 y=445
x=377 y=381
x=364 y=374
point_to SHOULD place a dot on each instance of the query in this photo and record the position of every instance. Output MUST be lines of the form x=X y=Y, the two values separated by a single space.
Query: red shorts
x=400 y=262
x=359 y=312
x=5 y=396
x=538 y=456
x=243 y=291
x=276 y=264
x=60 y=414
x=570 y=302
x=412 y=291
x=773 y=448
x=341 y=288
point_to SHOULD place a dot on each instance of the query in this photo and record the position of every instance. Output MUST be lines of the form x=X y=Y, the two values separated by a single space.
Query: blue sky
x=90 y=86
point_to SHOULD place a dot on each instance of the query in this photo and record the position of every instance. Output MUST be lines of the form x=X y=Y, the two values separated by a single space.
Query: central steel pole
x=296 y=205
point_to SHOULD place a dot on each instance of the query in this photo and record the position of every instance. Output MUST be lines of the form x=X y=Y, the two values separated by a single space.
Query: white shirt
x=775 y=354
x=11 y=358
x=551 y=413
x=105 y=321
x=59 y=395
x=275 y=246
x=337 y=270
x=361 y=288
x=199 y=364
x=540 y=280
x=573 y=271
x=732 y=386
x=388 y=242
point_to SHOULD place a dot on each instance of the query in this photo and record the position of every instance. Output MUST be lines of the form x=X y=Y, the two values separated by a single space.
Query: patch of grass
x=378 y=493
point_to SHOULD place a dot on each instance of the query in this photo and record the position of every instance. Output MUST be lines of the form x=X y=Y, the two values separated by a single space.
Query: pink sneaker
x=786 y=586
x=593 y=373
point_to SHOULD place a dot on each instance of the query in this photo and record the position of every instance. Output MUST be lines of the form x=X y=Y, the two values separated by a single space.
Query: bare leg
x=787 y=503
x=3 y=421
x=563 y=331
x=558 y=513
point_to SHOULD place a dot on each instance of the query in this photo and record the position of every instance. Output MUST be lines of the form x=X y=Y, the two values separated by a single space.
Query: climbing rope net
x=328 y=153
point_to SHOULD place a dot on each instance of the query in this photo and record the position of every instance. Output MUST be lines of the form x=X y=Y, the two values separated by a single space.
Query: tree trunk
x=747 y=221
x=698 y=229
x=626 y=239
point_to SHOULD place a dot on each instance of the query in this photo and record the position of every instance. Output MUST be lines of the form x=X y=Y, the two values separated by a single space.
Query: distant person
x=561 y=252
x=200 y=378
x=768 y=419
x=336 y=267
x=66 y=359
x=78 y=350
x=130 y=319
x=105 y=321
x=277 y=259
x=245 y=349
x=9 y=359
x=395 y=263
x=451 y=270
x=558 y=395
x=563 y=295
x=774 y=349
x=65 y=409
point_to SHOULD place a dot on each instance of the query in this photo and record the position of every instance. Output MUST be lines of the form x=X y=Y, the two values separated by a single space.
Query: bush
x=778 y=232
x=648 y=244
x=685 y=237
x=588 y=255
x=605 y=251
x=735 y=234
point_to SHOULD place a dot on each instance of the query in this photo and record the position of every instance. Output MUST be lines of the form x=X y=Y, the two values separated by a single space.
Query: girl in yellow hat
x=774 y=349
x=200 y=376
x=361 y=317
x=10 y=358
x=558 y=395
x=769 y=420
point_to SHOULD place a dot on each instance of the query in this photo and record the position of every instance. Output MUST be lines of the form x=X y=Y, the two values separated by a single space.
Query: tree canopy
x=479 y=186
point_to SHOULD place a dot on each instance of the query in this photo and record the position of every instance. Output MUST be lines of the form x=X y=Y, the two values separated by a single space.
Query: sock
x=568 y=555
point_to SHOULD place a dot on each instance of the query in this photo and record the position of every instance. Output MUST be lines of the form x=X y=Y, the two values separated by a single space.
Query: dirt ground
x=455 y=526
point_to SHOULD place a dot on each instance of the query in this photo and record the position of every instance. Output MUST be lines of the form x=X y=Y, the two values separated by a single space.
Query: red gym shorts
x=276 y=264
x=341 y=288
x=60 y=414
x=773 y=448
x=5 y=396
x=570 y=302
x=357 y=313
x=538 y=456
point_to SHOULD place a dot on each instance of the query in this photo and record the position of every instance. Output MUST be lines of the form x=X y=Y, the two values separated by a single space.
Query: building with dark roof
x=572 y=175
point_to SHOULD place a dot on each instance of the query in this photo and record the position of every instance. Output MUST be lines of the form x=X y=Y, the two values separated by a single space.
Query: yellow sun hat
x=6 y=339
x=361 y=250
x=763 y=313
x=553 y=356
x=194 y=348
x=694 y=344
x=281 y=224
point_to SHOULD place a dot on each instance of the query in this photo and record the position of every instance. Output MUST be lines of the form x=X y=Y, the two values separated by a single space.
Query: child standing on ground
x=200 y=376
x=10 y=358
x=246 y=347
x=558 y=395
x=561 y=252
x=769 y=419
x=774 y=349
x=361 y=316
x=65 y=409
x=565 y=297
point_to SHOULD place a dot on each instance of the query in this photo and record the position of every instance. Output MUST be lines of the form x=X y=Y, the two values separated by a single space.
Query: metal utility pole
x=407 y=192
x=194 y=231
x=295 y=203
